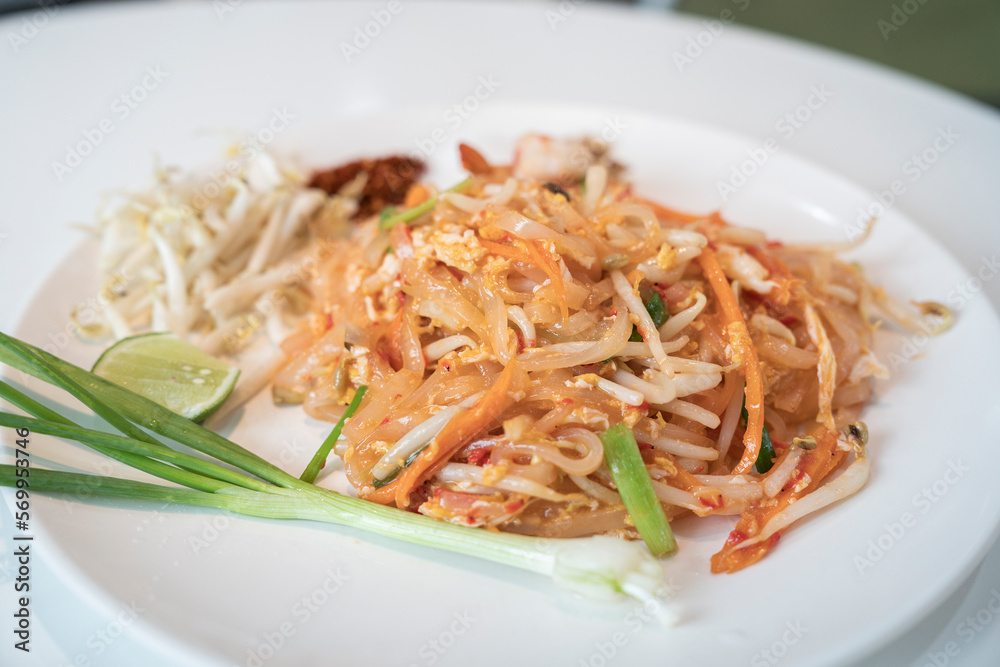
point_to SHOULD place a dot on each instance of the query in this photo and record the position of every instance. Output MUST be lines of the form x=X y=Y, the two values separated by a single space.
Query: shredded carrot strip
x=537 y=254
x=550 y=265
x=739 y=338
x=417 y=194
x=817 y=465
x=681 y=478
x=506 y=251
x=456 y=434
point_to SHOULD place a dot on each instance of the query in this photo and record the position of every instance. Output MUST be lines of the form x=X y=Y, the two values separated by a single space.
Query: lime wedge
x=170 y=371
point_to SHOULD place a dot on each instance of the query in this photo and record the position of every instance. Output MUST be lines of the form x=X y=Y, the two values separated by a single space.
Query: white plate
x=245 y=589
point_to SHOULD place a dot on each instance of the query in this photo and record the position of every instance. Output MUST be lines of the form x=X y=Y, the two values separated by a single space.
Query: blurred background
x=955 y=43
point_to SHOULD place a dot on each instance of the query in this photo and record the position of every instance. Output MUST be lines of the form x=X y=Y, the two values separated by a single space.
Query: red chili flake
x=329 y=321
x=774 y=244
x=794 y=479
x=470 y=520
x=384 y=421
x=520 y=339
x=644 y=406
x=614 y=312
x=735 y=537
x=779 y=446
x=398 y=396
x=438 y=492
x=566 y=401
x=400 y=297
x=773 y=540
x=644 y=446
x=712 y=503
x=478 y=457
x=513 y=506
x=789 y=320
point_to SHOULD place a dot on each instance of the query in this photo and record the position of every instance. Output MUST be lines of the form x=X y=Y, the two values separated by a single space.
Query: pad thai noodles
x=502 y=326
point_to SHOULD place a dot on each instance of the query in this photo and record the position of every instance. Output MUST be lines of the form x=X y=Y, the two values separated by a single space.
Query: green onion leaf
x=657 y=310
x=379 y=483
x=387 y=213
x=319 y=458
x=621 y=453
x=389 y=221
x=766 y=455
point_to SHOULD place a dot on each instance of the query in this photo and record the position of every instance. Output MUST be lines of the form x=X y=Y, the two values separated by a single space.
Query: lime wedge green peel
x=169 y=371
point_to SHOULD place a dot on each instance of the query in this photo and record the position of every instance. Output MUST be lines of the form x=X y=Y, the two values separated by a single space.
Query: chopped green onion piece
x=657 y=311
x=621 y=453
x=766 y=455
x=319 y=458
x=388 y=222
x=387 y=213
x=379 y=483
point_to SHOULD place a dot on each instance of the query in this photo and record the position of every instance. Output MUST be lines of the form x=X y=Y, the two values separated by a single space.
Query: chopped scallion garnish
x=766 y=455
x=657 y=310
x=389 y=221
x=765 y=458
x=379 y=483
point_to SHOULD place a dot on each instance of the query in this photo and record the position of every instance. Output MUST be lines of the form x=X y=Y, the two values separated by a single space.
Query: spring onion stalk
x=599 y=567
x=415 y=212
x=319 y=458
x=621 y=453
